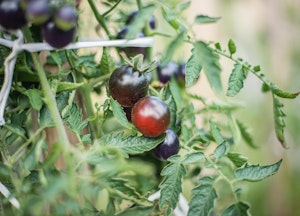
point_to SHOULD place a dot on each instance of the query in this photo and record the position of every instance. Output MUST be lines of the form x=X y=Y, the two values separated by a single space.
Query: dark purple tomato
x=12 y=16
x=166 y=72
x=151 y=116
x=56 y=37
x=131 y=51
x=38 y=11
x=127 y=85
x=169 y=147
x=127 y=111
x=65 y=18
x=130 y=18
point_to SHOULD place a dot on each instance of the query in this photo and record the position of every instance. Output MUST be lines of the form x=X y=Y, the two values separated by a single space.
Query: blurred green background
x=266 y=33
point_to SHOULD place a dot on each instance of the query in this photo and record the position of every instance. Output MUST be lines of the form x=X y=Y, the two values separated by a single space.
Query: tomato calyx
x=136 y=63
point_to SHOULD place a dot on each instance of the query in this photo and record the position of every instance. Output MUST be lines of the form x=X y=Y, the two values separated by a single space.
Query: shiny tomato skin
x=56 y=37
x=151 y=116
x=169 y=147
x=127 y=85
x=12 y=16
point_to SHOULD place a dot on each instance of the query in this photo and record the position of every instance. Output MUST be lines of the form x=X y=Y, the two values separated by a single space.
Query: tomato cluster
x=149 y=114
x=58 y=24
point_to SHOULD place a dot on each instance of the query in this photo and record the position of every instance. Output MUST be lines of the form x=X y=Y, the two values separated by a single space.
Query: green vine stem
x=100 y=18
x=49 y=97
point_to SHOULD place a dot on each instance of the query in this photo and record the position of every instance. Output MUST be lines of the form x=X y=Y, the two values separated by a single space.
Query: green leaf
x=256 y=68
x=237 y=209
x=140 y=21
x=32 y=157
x=173 y=46
x=170 y=101
x=119 y=114
x=176 y=94
x=279 y=121
x=231 y=47
x=35 y=98
x=256 y=172
x=183 y=6
x=74 y=119
x=17 y=130
x=203 y=197
x=222 y=150
x=204 y=58
x=238 y=159
x=171 y=186
x=280 y=93
x=107 y=64
x=201 y=19
x=67 y=86
x=132 y=144
x=129 y=192
x=194 y=157
x=236 y=80
x=245 y=134
x=215 y=131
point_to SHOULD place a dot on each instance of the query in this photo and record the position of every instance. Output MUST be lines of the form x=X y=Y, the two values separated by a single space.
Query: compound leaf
x=256 y=172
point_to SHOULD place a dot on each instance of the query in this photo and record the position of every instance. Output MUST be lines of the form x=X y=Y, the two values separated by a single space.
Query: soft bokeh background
x=266 y=33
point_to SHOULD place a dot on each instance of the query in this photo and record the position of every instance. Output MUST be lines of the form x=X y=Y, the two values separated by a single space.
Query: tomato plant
x=122 y=134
